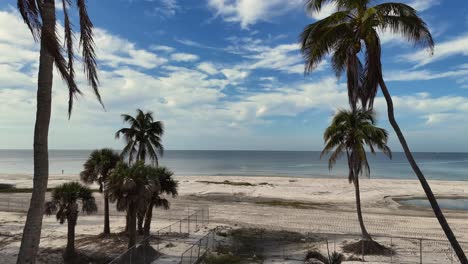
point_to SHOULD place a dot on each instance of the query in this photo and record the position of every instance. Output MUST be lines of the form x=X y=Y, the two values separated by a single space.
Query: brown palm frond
x=87 y=45
x=30 y=13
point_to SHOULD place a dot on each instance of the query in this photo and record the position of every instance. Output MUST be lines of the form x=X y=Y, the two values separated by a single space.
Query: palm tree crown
x=65 y=200
x=132 y=189
x=98 y=166
x=343 y=33
x=143 y=137
x=168 y=186
x=350 y=132
x=64 y=204
x=97 y=169
x=32 y=15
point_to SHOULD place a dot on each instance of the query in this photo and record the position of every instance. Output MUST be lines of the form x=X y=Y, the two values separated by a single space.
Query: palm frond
x=87 y=45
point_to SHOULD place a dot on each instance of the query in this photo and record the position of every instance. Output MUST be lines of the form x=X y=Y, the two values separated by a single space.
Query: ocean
x=443 y=166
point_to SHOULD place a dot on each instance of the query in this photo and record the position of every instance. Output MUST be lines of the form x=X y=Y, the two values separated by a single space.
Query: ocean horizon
x=435 y=165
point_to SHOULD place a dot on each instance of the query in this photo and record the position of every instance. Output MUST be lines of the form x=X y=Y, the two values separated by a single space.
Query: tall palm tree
x=342 y=34
x=131 y=189
x=168 y=186
x=65 y=204
x=97 y=170
x=40 y=17
x=143 y=137
x=350 y=132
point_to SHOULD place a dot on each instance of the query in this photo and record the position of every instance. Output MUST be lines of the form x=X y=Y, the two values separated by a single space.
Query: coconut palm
x=350 y=132
x=143 y=137
x=65 y=205
x=168 y=186
x=40 y=17
x=342 y=34
x=96 y=170
x=131 y=189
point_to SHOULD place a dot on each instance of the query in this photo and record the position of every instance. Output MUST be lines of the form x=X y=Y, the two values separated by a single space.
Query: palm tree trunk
x=32 y=228
x=131 y=226
x=427 y=189
x=148 y=217
x=140 y=218
x=106 y=214
x=365 y=234
x=70 y=250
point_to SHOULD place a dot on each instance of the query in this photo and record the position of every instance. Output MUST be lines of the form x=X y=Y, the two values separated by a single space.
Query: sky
x=228 y=74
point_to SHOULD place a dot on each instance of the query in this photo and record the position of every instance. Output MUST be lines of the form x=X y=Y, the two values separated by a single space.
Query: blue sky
x=227 y=74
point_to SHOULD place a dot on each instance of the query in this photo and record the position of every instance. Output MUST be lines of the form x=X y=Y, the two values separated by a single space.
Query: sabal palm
x=350 y=133
x=342 y=34
x=131 y=189
x=65 y=205
x=143 y=137
x=97 y=169
x=40 y=17
x=168 y=186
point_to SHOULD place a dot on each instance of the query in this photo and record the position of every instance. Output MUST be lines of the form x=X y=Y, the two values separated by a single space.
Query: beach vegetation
x=65 y=204
x=41 y=19
x=131 y=190
x=333 y=258
x=288 y=203
x=97 y=169
x=233 y=183
x=349 y=134
x=143 y=138
x=352 y=32
x=168 y=186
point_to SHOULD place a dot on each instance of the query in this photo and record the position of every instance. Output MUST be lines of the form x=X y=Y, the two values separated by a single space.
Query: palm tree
x=143 y=137
x=342 y=34
x=97 y=170
x=168 y=186
x=65 y=205
x=350 y=132
x=40 y=17
x=131 y=189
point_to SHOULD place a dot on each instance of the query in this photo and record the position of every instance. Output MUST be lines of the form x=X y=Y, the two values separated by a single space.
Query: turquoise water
x=455 y=204
x=444 y=166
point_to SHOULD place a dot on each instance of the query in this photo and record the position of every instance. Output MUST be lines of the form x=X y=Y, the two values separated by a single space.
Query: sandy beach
x=317 y=205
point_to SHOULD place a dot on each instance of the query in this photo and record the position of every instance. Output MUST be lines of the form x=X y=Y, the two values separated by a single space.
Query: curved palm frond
x=32 y=13
x=143 y=137
x=351 y=132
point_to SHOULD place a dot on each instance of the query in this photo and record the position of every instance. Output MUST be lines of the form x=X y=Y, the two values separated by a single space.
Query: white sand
x=330 y=207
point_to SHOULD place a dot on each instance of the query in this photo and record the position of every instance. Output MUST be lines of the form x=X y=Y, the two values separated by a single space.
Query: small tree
x=350 y=132
x=168 y=185
x=143 y=137
x=131 y=189
x=64 y=204
x=96 y=170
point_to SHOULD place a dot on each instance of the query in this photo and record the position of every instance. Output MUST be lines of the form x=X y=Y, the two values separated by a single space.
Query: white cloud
x=327 y=10
x=116 y=52
x=423 y=5
x=162 y=48
x=249 y=12
x=443 y=50
x=184 y=57
x=234 y=75
x=207 y=67
x=424 y=75
x=164 y=8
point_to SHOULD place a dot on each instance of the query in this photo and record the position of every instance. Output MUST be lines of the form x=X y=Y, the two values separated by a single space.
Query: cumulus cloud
x=249 y=12
x=207 y=67
x=443 y=50
x=184 y=57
